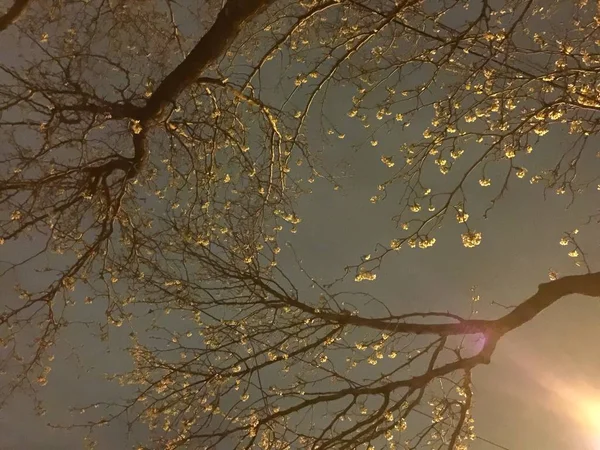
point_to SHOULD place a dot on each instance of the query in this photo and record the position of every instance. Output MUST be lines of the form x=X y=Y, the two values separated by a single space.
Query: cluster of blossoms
x=471 y=239
x=461 y=216
x=387 y=160
x=365 y=274
x=424 y=242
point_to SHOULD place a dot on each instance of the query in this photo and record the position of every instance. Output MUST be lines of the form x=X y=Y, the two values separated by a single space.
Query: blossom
x=455 y=154
x=471 y=239
x=426 y=242
x=461 y=216
x=365 y=274
x=521 y=172
x=387 y=160
x=415 y=207
x=136 y=126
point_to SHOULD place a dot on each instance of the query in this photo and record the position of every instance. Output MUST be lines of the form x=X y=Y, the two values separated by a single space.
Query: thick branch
x=12 y=14
x=211 y=46
x=547 y=294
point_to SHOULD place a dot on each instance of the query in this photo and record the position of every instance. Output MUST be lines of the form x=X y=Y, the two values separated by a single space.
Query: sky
x=519 y=403
x=539 y=392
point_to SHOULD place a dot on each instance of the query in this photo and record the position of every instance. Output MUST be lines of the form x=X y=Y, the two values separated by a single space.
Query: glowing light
x=591 y=412
x=589 y=415
x=572 y=396
x=583 y=405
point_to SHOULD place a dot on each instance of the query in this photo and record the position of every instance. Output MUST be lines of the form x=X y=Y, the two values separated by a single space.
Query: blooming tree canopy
x=154 y=154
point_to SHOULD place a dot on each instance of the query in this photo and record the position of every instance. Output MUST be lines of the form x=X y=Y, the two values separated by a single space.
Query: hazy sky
x=529 y=397
x=517 y=400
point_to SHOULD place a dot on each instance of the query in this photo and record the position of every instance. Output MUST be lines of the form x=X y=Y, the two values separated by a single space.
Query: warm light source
x=591 y=410
x=583 y=404
x=590 y=418
x=566 y=394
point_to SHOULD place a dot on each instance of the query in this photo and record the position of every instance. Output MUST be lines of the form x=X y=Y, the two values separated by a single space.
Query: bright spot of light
x=583 y=405
x=591 y=410
x=574 y=398
x=590 y=416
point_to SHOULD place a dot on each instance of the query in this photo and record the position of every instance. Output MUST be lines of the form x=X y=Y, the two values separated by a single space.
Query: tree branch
x=12 y=14
x=546 y=295
x=217 y=39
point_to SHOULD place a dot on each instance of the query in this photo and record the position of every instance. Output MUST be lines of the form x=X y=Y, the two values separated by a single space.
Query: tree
x=149 y=164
